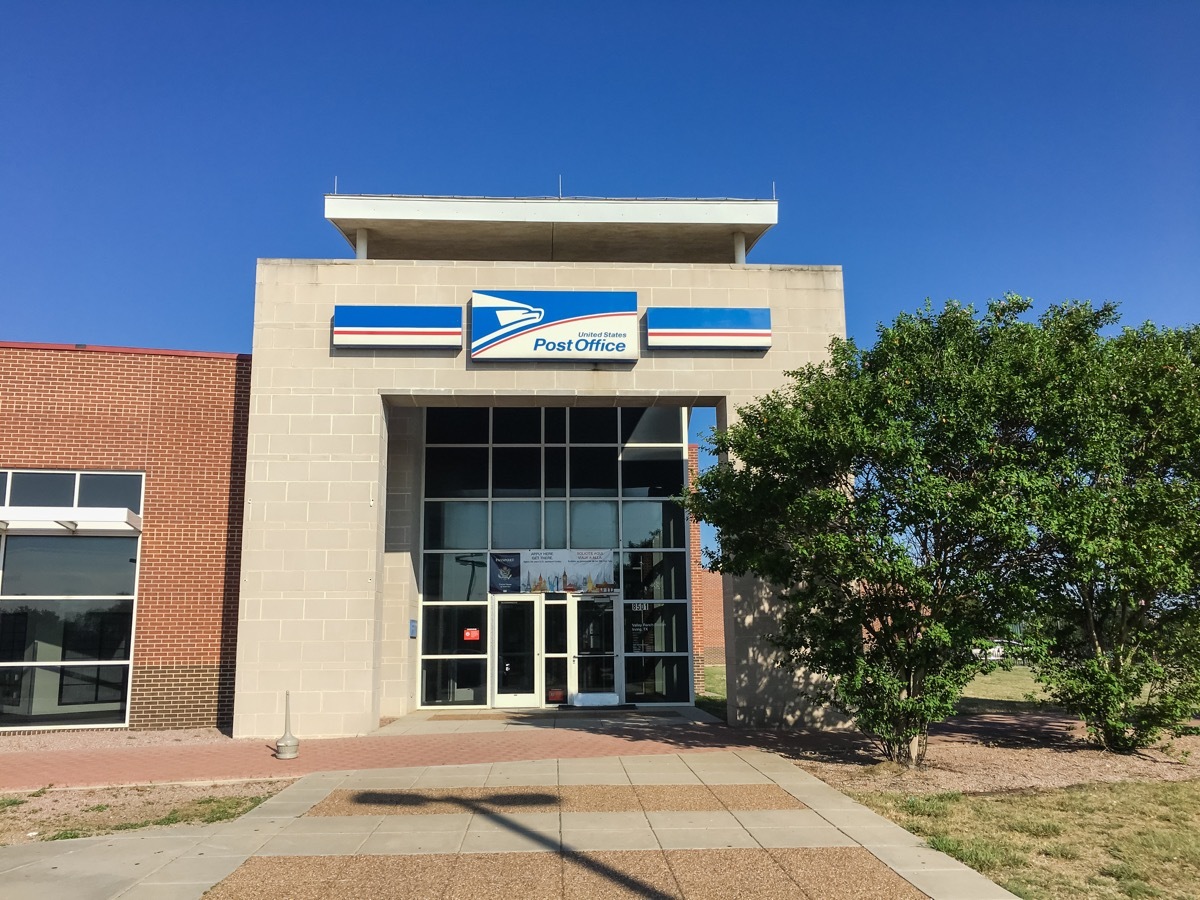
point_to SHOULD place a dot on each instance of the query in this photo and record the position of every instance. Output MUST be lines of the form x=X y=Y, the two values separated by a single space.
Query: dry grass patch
x=52 y=814
x=1128 y=840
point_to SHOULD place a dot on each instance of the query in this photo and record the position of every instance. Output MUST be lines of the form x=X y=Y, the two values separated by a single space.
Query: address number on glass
x=639 y=607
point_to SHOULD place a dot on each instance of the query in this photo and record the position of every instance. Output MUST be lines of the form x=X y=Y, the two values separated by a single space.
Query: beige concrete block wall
x=324 y=609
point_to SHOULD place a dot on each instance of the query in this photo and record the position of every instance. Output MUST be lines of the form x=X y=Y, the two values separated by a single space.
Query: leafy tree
x=1117 y=518
x=882 y=494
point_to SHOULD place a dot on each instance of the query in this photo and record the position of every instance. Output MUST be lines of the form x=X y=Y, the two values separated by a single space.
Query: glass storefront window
x=119 y=491
x=71 y=566
x=516 y=425
x=652 y=472
x=451 y=682
x=42 y=489
x=454 y=630
x=593 y=524
x=62 y=695
x=516 y=471
x=454 y=576
x=593 y=471
x=656 y=628
x=655 y=576
x=556 y=425
x=556 y=524
x=516 y=525
x=657 y=679
x=65 y=630
x=456 y=526
x=456 y=472
x=652 y=525
x=594 y=426
x=657 y=425
x=456 y=425
x=556 y=471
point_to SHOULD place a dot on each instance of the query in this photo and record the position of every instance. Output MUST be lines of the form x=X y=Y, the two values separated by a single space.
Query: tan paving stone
x=598 y=798
x=754 y=796
x=677 y=797
x=747 y=874
x=505 y=876
x=618 y=874
x=835 y=873
x=438 y=801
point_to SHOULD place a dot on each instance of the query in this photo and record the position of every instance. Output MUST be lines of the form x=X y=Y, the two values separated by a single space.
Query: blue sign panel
x=700 y=328
x=397 y=326
x=544 y=325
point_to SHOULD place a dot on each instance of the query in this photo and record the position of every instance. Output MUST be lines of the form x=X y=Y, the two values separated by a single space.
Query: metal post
x=739 y=248
x=360 y=244
x=287 y=747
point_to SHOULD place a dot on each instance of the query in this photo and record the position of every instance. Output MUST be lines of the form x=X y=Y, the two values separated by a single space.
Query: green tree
x=882 y=494
x=1117 y=518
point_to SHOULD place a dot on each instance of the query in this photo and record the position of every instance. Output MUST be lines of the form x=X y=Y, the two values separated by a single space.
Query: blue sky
x=152 y=151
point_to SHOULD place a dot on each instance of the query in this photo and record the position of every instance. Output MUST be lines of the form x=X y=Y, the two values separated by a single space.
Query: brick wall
x=180 y=418
x=713 y=588
x=696 y=579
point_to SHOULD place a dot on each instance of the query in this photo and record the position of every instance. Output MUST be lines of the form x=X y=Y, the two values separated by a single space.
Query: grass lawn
x=1126 y=840
x=1002 y=691
x=712 y=701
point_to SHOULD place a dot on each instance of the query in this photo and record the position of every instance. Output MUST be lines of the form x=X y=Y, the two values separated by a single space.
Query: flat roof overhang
x=549 y=229
x=69 y=520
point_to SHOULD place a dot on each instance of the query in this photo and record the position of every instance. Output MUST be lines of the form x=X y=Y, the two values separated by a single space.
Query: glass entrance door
x=594 y=676
x=518 y=651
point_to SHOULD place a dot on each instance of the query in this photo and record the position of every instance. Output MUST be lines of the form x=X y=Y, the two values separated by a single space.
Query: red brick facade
x=180 y=418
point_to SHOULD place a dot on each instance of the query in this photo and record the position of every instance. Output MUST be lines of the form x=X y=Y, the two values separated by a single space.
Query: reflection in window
x=454 y=630
x=647 y=525
x=655 y=576
x=449 y=682
x=42 y=489
x=657 y=425
x=516 y=471
x=657 y=679
x=656 y=628
x=119 y=491
x=69 y=565
x=651 y=472
x=454 y=576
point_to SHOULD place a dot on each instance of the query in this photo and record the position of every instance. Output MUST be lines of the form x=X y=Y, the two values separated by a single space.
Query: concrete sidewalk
x=813 y=842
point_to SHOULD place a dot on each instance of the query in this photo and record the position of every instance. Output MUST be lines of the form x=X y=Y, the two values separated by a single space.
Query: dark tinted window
x=556 y=471
x=593 y=426
x=556 y=425
x=660 y=425
x=656 y=628
x=445 y=682
x=651 y=473
x=650 y=679
x=43 y=489
x=454 y=425
x=454 y=576
x=646 y=525
x=516 y=426
x=69 y=566
x=456 y=472
x=655 y=576
x=516 y=471
x=3 y=488
x=460 y=630
x=121 y=491
x=593 y=471
x=455 y=526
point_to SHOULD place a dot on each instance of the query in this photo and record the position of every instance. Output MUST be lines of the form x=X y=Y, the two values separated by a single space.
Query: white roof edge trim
x=69 y=520
x=553 y=210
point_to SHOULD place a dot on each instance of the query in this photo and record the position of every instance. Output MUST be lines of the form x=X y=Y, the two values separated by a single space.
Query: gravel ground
x=68 y=739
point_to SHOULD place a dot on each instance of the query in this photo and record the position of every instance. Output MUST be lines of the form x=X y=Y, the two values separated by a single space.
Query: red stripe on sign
x=701 y=333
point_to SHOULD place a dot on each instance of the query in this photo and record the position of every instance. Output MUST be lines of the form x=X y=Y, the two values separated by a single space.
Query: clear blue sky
x=151 y=151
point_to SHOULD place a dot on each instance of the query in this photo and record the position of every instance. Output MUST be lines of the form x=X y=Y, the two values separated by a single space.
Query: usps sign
x=582 y=326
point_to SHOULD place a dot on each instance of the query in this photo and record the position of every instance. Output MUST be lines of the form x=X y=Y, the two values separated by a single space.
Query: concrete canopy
x=548 y=229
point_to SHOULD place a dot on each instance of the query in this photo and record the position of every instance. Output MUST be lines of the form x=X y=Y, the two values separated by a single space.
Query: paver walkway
x=816 y=844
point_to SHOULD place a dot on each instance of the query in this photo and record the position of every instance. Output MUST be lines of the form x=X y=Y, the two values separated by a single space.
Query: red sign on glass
x=470 y=634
